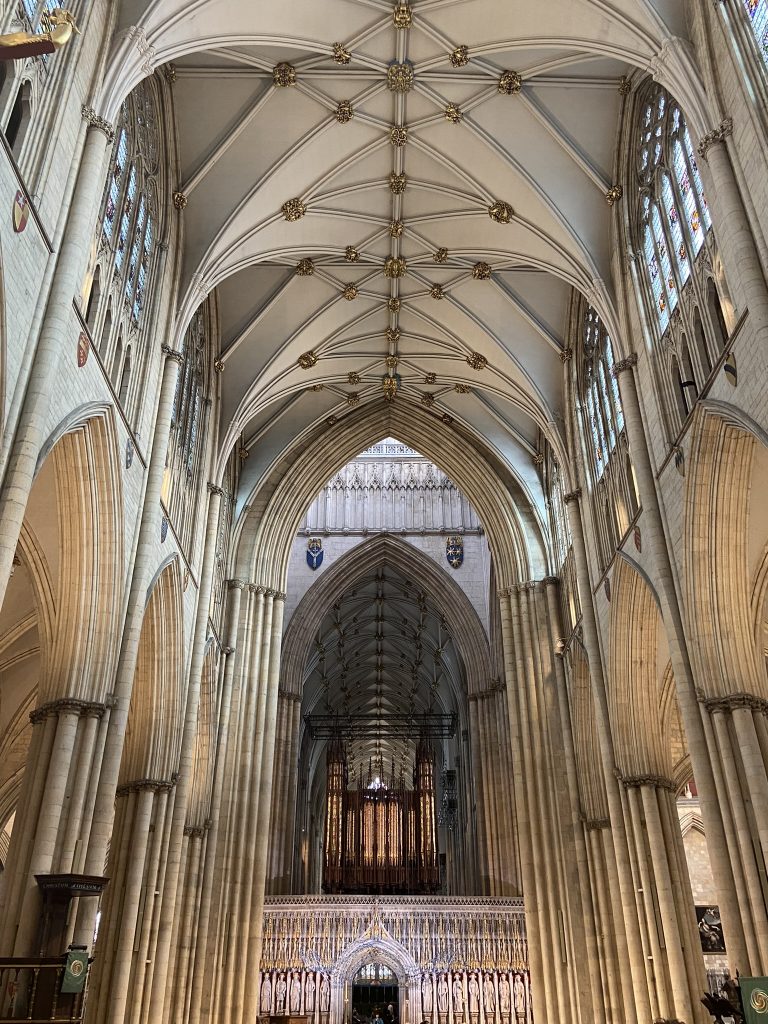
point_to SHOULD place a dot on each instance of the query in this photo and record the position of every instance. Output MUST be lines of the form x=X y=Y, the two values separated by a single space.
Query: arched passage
x=461 y=652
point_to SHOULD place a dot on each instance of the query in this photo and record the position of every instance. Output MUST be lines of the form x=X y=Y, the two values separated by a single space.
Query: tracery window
x=611 y=477
x=677 y=254
x=757 y=15
x=186 y=450
x=124 y=251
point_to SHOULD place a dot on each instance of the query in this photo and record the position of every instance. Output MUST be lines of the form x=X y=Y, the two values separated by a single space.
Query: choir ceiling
x=292 y=151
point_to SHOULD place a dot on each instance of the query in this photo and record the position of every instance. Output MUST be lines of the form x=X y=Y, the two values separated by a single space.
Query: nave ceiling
x=464 y=147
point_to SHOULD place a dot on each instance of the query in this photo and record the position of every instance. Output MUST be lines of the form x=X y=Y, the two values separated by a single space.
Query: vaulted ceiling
x=383 y=648
x=383 y=190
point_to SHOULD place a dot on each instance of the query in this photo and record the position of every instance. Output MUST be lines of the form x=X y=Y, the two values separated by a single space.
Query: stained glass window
x=185 y=453
x=757 y=13
x=674 y=216
x=601 y=394
x=123 y=249
x=129 y=204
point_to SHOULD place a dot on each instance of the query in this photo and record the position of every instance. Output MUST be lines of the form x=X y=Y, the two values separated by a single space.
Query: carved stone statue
x=426 y=994
x=519 y=996
x=325 y=994
x=458 y=996
x=280 y=990
x=442 y=994
x=309 y=991
x=489 y=995
x=504 y=994
x=266 y=996
x=295 y=992
x=474 y=993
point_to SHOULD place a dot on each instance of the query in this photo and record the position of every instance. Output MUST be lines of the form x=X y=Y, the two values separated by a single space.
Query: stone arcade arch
x=377 y=946
x=70 y=558
x=472 y=646
x=264 y=537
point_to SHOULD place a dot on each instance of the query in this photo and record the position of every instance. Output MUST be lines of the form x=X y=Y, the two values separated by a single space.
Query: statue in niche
x=309 y=992
x=266 y=996
x=504 y=994
x=489 y=995
x=519 y=996
x=474 y=993
x=458 y=996
x=442 y=994
x=295 y=992
x=426 y=994
x=280 y=990
x=325 y=994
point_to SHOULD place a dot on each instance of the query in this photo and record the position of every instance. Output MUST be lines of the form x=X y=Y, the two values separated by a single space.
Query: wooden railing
x=30 y=990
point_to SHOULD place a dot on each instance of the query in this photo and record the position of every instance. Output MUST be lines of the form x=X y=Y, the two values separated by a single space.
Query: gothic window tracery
x=125 y=248
x=611 y=478
x=677 y=254
x=186 y=449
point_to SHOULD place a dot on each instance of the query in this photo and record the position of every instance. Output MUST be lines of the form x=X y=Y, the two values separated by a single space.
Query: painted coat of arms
x=454 y=551
x=314 y=553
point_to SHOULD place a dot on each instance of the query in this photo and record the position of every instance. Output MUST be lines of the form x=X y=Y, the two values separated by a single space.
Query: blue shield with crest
x=314 y=553
x=454 y=551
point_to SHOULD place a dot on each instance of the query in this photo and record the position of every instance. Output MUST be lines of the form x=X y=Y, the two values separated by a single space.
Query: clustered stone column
x=699 y=747
x=54 y=813
x=550 y=852
x=284 y=795
x=240 y=856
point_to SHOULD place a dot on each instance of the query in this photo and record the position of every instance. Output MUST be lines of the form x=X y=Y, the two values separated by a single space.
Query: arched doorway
x=374 y=993
x=374 y=972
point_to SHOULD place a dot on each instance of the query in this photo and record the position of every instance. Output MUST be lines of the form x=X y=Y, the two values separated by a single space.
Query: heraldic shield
x=314 y=553
x=454 y=551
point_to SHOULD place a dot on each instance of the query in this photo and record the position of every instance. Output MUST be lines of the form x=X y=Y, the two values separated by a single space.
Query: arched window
x=757 y=15
x=188 y=421
x=674 y=213
x=613 y=491
x=124 y=250
x=675 y=246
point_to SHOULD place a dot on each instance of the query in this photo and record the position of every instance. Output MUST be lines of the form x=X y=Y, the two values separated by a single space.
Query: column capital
x=573 y=495
x=506 y=592
x=226 y=651
x=215 y=489
x=550 y=581
x=717 y=135
x=654 y=781
x=100 y=124
x=235 y=584
x=256 y=589
x=624 y=364
x=735 y=701
x=172 y=353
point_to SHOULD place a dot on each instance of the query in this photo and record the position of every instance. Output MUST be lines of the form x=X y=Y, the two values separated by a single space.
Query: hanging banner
x=75 y=971
x=754 y=999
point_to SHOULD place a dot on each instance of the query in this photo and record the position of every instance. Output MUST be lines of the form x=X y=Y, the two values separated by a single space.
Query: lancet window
x=757 y=15
x=186 y=450
x=125 y=248
x=677 y=254
x=611 y=478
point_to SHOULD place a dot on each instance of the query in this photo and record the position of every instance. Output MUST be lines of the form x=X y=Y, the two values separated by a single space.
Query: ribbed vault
x=403 y=191
x=384 y=631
